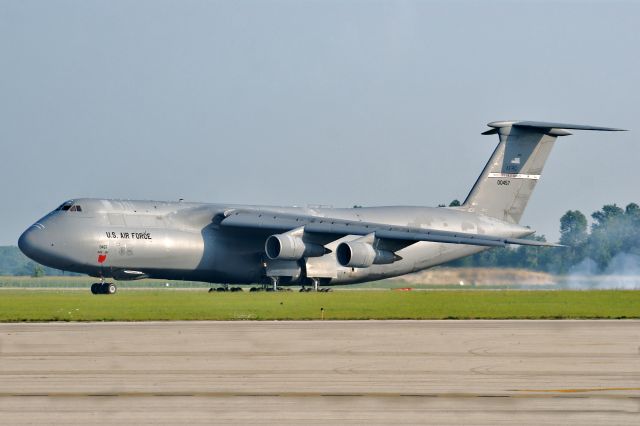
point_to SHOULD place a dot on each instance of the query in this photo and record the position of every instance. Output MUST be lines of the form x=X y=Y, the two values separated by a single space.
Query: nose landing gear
x=103 y=288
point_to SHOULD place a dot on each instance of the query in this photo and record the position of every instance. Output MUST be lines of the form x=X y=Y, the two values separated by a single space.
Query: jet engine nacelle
x=355 y=254
x=289 y=247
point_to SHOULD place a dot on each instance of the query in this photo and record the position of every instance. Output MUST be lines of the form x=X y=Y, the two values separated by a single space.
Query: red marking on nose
x=102 y=258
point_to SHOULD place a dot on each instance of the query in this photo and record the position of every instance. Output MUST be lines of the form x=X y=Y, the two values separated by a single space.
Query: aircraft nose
x=33 y=242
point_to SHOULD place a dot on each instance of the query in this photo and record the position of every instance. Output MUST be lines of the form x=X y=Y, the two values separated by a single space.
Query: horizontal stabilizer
x=546 y=125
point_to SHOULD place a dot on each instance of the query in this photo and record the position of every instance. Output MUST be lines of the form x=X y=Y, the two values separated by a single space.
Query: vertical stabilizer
x=505 y=185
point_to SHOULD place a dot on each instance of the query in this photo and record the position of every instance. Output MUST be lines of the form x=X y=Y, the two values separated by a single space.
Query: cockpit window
x=65 y=206
x=69 y=206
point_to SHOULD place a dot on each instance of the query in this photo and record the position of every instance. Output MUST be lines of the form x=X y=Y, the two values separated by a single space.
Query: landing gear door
x=322 y=267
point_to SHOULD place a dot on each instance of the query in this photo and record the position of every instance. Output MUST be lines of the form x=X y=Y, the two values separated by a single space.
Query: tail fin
x=507 y=181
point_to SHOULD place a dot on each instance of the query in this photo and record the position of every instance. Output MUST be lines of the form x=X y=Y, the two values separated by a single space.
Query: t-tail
x=505 y=185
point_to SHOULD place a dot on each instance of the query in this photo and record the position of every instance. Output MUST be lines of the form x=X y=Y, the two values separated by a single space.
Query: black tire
x=110 y=288
x=95 y=288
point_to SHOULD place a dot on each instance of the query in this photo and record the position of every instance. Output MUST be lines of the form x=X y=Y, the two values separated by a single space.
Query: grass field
x=83 y=282
x=141 y=305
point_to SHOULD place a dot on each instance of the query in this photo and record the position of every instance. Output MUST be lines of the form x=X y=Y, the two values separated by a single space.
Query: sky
x=310 y=102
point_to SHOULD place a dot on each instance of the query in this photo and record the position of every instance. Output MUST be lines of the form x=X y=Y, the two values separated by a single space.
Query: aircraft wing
x=330 y=229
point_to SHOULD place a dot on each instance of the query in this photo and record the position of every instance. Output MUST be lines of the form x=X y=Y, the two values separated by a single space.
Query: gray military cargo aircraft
x=234 y=244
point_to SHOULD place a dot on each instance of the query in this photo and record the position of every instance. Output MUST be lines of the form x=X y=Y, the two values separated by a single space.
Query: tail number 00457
x=504 y=182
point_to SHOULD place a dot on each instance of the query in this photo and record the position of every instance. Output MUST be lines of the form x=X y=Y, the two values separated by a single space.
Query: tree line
x=614 y=230
x=13 y=262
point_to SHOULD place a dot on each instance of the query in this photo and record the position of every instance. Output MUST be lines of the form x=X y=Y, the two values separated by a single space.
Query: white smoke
x=622 y=273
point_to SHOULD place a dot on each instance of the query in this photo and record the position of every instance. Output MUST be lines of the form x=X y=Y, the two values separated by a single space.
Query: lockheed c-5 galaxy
x=234 y=244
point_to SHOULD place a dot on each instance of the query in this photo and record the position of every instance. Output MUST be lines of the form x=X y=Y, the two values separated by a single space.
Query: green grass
x=83 y=282
x=139 y=305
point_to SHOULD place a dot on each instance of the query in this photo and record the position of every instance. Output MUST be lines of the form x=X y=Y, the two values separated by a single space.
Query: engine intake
x=288 y=247
x=356 y=254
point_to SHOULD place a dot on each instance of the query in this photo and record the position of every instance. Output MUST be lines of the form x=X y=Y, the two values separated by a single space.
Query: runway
x=333 y=372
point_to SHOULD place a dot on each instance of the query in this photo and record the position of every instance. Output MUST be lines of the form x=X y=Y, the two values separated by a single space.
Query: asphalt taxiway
x=338 y=372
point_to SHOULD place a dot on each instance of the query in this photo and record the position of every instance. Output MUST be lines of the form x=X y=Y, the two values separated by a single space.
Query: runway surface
x=342 y=372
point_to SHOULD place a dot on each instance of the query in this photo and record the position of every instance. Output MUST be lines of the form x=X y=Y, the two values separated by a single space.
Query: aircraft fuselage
x=127 y=239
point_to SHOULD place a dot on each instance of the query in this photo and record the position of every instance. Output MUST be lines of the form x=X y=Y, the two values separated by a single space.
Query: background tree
x=38 y=271
x=631 y=239
x=573 y=234
x=607 y=234
x=573 y=228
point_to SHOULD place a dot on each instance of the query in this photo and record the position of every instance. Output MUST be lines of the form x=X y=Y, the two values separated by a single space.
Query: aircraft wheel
x=95 y=288
x=110 y=288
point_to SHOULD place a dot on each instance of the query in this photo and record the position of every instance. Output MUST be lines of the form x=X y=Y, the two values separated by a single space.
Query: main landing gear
x=315 y=282
x=264 y=286
x=103 y=288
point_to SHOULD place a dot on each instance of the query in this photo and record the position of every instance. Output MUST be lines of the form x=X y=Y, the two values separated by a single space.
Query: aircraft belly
x=205 y=255
x=168 y=249
x=428 y=254
x=149 y=251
